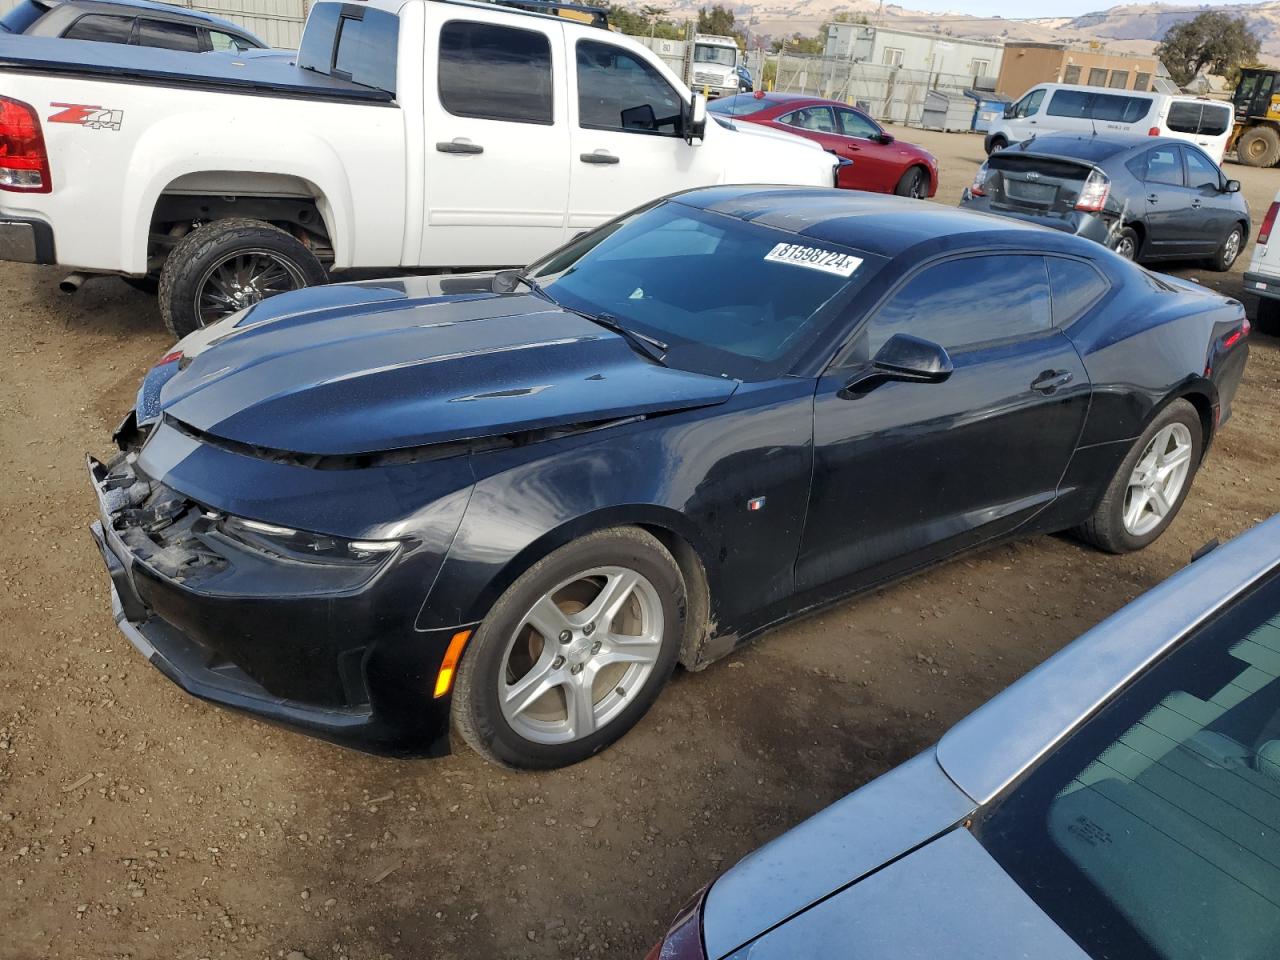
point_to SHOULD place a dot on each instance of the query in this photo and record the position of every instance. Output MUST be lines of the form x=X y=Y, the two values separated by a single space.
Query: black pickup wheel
x=227 y=265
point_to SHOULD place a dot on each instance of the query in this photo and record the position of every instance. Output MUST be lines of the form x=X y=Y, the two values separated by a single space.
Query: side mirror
x=885 y=138
x=1010 y=111
x=1233 y=186
x=904 y=358
x=697 y=124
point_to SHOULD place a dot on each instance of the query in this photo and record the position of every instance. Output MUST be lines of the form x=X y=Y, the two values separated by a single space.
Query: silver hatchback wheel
x=1231 y=248
x=1157 y=479
x=580 y=654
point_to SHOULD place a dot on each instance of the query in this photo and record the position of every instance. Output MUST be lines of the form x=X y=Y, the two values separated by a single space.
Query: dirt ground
x=138 y=822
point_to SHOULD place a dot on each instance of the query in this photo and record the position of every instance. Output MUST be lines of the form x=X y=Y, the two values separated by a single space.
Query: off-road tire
x=204 y=246
x=476 y=715
x=1259 y=147
x=1105 y=528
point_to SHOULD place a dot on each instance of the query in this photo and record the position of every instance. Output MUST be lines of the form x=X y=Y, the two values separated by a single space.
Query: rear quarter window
x=21 y=17
x=1075 y=287
x=103 y=29
x=354 y=43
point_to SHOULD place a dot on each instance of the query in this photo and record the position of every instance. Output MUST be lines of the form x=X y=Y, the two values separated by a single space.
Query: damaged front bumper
x=305 y=646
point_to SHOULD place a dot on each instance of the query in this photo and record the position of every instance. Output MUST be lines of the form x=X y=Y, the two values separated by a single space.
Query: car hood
x=373 y=367
x=833 y=849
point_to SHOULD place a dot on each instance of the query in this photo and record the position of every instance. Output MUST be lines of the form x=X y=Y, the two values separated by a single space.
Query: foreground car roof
x=987 y=750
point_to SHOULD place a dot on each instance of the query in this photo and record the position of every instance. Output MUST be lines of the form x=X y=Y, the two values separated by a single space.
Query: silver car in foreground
x=1120 y=801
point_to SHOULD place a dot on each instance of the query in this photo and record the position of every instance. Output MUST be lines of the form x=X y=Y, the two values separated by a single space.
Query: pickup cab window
x=619 y=91
x=354 y=43
x=493 y=72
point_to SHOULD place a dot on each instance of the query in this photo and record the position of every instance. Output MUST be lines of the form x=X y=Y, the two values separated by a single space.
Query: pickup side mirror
x=1233 y=186
x=697 y=120
x=904 y=358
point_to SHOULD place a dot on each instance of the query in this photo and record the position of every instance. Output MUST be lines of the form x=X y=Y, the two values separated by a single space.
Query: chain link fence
x=893 y=94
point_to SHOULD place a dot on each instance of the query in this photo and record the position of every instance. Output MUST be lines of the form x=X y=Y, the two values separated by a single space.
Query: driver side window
x=619 y=91
x=1029 y=105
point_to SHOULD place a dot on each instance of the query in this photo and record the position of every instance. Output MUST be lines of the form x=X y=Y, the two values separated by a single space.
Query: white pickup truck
x=409 y=134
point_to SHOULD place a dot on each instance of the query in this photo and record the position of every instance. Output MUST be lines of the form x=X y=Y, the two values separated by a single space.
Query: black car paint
x=357 y=666
x=1172 y=221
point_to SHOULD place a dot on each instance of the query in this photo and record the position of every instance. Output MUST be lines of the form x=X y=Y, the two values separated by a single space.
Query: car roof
x=995 y=744
x=876 y=223
x=167 y=9
x=1084 y=146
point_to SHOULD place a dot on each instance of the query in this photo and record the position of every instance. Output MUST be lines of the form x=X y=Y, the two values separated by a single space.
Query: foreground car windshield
x=1153 y=832
x=729 y=297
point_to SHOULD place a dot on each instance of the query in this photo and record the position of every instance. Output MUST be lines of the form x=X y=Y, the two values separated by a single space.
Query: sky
x=1040 y=8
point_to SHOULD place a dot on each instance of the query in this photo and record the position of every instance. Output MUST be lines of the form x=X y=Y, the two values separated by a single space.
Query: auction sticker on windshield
x=815 y=258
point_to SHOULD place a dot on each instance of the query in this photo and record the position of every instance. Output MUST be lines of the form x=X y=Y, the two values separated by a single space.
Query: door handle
x=459 y=146
x=600 y=156
x=1153 y=198
x=1195 y=204
x=1051 y=380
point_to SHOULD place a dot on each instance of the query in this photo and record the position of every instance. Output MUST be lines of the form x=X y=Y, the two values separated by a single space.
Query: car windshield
x=1153 y=831
x=706 y=53
x=21 y=17
x=729 y=297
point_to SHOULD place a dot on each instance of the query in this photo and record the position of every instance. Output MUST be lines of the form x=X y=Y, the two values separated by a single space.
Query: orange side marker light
x=444 y=679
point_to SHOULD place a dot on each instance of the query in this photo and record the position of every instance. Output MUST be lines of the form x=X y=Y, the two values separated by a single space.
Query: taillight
x=1153 y=132
x=24 y=163
x=684 y=940
x=1093 y=195
x=1268 y=222
x=979 y=186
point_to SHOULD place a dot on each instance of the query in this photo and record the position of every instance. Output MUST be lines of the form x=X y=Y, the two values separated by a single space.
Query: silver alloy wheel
x=1231 y=249
x=580 y=655
x=241 y=279
x=1157 y=479
x=1125 y=247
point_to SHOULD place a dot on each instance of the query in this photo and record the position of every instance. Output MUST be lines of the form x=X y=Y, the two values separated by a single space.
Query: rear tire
x=913 y=184
x=1259 y=147
x=1129 y=516
x=229 y=264
x=1126 y=243
x=996 y=144
x=600 y=678
x=1229 y=251
x=1269 y=316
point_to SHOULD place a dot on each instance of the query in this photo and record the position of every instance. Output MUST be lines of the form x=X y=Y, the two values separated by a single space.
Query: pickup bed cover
x=123 y=63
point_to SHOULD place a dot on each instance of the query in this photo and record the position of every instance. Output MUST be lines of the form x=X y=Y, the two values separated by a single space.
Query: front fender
x=164 y=153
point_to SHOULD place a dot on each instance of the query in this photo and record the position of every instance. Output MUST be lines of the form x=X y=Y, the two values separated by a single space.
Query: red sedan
x=881 y=164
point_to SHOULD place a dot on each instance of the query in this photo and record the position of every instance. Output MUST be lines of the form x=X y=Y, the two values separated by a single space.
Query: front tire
x=996 y=144
x=912 y=184
x=227 y=265
x=1229 y=251
x=1151 y=483
x=574 y=653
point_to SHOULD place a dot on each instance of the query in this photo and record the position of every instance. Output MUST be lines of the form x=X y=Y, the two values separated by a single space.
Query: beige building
x=1026 y=64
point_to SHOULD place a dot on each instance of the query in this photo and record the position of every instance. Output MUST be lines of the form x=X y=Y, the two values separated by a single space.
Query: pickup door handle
x=1195 y=204
x=459 y=146
x=1051 y=380
x=600 y=156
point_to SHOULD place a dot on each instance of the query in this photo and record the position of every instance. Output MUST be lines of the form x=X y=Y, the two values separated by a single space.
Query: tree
x=796 y=43
x=718 y=21
x=844 y=16
x=1212 y=41
x=647 y=21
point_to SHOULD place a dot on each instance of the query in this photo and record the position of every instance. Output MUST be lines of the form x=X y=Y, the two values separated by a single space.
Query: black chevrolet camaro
x=512 y=503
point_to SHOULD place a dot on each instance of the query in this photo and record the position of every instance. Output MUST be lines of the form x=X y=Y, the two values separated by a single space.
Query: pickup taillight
x=1269 y=221
x=24 y=162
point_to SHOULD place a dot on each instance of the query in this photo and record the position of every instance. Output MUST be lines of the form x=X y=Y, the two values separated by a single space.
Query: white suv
x=1263 y=276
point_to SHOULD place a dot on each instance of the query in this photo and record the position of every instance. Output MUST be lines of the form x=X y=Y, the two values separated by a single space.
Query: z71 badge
x=95 y=118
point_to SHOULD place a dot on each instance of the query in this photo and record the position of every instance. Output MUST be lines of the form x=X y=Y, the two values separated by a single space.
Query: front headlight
x=302 y=545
